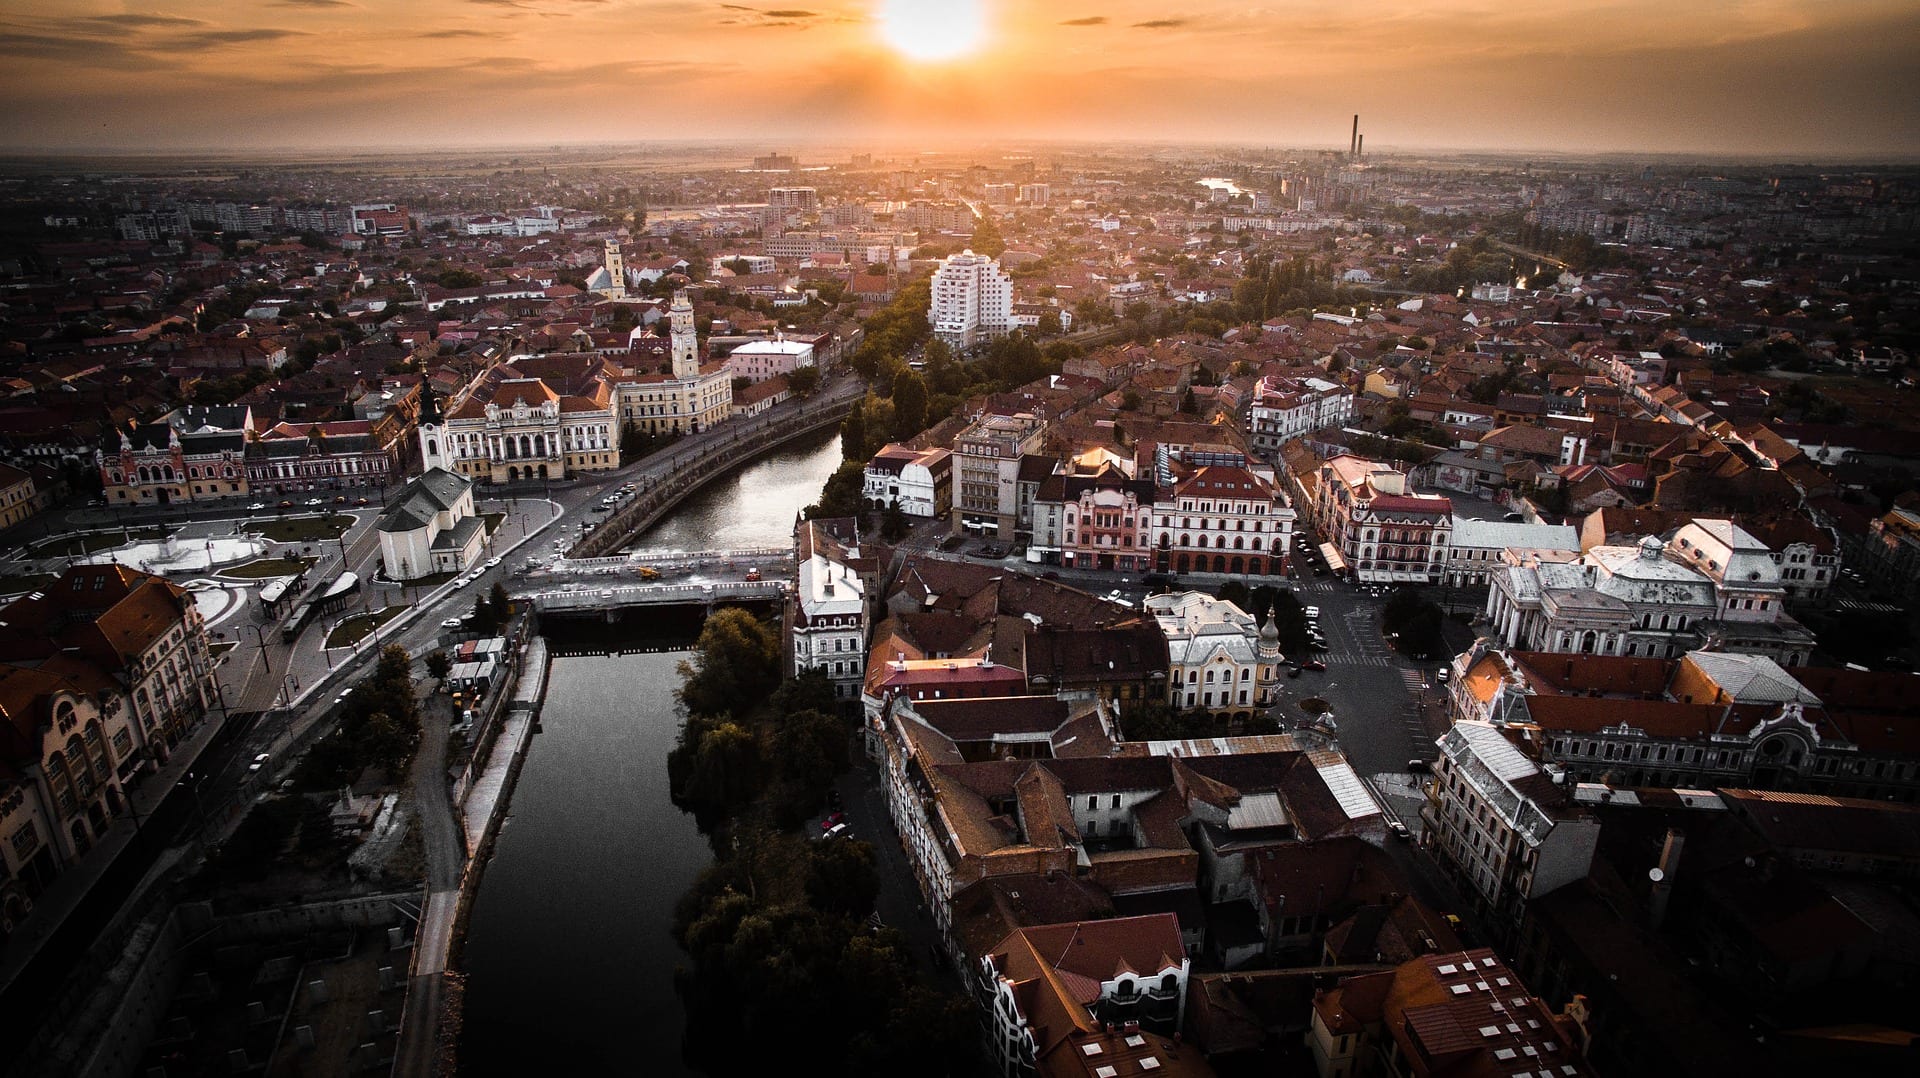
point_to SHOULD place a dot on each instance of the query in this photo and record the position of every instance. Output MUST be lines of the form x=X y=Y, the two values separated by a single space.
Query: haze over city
x=1723 y=77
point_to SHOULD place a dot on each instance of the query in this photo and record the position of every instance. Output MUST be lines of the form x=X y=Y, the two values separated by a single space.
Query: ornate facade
x=539 y=417
x=192 y=454
x=685 y=399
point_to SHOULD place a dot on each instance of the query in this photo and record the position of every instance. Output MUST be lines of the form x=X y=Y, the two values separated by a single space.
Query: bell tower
x=434 y=450
x=686 y=343
x=616 y=271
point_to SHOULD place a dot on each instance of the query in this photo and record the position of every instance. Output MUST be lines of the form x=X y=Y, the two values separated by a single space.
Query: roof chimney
x=1662 y=876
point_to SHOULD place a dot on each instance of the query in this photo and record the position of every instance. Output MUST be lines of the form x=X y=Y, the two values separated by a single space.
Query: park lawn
x=355 y=629
x=306 y=529
x=262 y=568
x=94 y=542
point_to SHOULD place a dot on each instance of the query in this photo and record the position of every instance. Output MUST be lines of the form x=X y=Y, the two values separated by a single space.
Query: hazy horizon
x=1716 y=79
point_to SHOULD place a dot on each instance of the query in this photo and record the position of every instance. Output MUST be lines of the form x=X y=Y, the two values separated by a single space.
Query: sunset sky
x=1785 y=77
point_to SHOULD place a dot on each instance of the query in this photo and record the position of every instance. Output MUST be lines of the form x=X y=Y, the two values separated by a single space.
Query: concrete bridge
x=612 y=597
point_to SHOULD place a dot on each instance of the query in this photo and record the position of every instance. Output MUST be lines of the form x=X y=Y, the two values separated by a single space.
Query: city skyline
x=1785 y=78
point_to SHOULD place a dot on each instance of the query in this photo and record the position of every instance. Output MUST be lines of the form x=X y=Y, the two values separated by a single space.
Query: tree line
x=778 y=932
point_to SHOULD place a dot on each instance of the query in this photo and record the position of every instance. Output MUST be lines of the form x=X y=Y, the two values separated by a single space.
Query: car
x=648 y=572
x=256 y=507
x=1443 y=674
x=316 y=501
x=838 y=830
x=1313 y=612
x=339 y=499
x=833 y=820
x=460 y=582
x=1050 y=575
x=1399 y=830
x=359 y=501
x=753 y=574
x=259 y=762
x=494 y=561
x=606 y=593
x=451 y=623
x=1293 y=671
x=285 y=504
x=602 y=508
x=1419 y=766
x=1313 y=664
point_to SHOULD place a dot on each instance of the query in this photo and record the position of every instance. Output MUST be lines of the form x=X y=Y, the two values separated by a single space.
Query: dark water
x=752 y=507
x=569 y=952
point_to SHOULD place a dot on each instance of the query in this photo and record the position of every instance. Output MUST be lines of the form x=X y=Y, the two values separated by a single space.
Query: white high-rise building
x=972 y=300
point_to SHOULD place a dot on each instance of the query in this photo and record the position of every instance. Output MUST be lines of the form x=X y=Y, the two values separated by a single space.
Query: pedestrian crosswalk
x=1357 y=658
x=1414 y=679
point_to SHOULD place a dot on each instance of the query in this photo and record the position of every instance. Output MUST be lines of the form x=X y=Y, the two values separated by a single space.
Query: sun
x=932 y=29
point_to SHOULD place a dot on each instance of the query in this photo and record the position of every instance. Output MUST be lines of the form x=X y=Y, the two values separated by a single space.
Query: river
x=569 y=952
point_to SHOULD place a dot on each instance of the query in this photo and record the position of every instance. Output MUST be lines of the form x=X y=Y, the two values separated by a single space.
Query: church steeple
x=434 y=450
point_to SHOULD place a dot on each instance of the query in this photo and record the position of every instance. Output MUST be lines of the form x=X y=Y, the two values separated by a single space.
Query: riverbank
x=433 y=1015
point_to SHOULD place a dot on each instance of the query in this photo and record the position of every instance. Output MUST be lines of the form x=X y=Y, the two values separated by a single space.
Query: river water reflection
x=569 y=953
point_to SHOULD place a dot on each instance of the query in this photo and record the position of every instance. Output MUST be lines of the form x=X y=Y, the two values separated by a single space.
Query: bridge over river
x=657 y=578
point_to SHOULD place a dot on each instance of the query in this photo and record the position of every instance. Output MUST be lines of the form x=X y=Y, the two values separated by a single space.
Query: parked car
x=316 y=501
x=259 y=762
x=1443 y=674
x=1419 y=766
x=836 y=831
x=1313 y=664
x=833 y=820
x=1313 y=612
x=1399 y=830
x=359 y=501
x=256 y=507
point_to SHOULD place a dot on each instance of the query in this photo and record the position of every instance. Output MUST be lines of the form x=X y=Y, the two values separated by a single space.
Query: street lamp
x=261 y=641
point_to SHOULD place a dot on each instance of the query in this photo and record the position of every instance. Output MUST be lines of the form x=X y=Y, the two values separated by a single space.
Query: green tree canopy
x=736 y=663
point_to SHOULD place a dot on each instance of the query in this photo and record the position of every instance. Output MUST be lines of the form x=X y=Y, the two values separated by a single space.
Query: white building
x=920 y=480
x=972 y=300
x=1502 y=823
x=1035 y=194
x=1288 y=408
x=1219 y=658
x=757 y=361
x=829 y=616
x=431 y=528
x=1222 y=518
x=1643 y=600
x=793 y=199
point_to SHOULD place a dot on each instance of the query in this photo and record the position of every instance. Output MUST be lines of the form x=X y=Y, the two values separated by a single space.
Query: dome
x=1270 y=632
x=1651 y=547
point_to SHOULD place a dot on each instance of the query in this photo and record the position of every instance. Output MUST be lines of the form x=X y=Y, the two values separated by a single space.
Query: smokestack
x=1353 y=142
x=1359 y=145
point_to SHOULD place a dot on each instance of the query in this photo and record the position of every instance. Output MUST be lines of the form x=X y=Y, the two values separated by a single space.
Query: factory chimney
x=1359 y=145
x=1353 y=142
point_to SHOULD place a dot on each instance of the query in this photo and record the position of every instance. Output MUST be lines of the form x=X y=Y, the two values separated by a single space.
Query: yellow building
x=690 y=398
x=17 y=501
x=538 y=417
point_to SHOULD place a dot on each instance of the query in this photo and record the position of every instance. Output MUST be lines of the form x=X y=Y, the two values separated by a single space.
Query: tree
x=841 y=878
x=809 y=749
x=439 y=664
x=893 y=522
x=853 y=433
x=842 y=496
x=736 y=663
x=500 y=603
x=909 y=404
x=804 y=380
